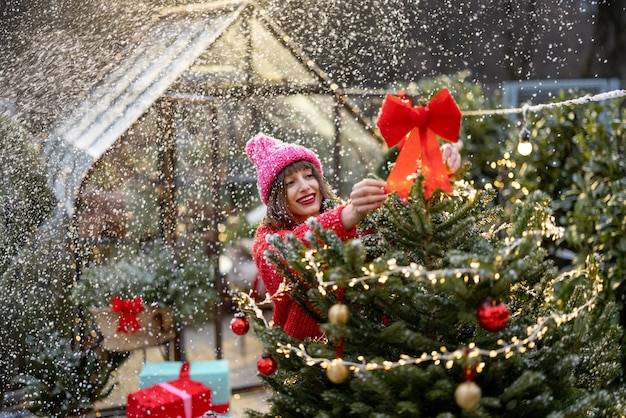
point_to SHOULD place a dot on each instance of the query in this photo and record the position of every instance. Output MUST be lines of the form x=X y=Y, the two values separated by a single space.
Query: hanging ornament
x=240 y=324
x=493 y=315
x=467 y=395
x=339 y=314
x=266 y=365
x=337 y=372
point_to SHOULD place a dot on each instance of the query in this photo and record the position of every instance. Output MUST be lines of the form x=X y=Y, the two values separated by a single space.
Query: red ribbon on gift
x=129 y=309
x=418 y=126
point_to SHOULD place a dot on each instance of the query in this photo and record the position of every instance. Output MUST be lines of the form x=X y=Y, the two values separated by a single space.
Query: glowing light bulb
x=524 y=147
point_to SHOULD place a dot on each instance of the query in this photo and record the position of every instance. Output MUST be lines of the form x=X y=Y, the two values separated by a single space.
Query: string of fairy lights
x=470 y=353
x=527 y=108
x=534 y=333
x=524 y=146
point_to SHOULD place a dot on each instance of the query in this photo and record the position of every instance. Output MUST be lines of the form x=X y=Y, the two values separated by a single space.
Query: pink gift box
x=180 y=398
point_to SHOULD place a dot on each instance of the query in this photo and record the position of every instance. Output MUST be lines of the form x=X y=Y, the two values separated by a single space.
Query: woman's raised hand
x=366 y=195
x=451 y=158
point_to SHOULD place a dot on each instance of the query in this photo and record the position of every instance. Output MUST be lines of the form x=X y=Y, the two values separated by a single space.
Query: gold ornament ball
x=467 y=395
x=339 y=314
x=337 y=372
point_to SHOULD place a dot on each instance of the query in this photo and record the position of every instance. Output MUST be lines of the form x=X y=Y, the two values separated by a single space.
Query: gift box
x=178 y=398
x=212 y=373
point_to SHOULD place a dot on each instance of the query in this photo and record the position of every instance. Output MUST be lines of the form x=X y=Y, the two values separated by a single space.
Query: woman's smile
x=308 y=199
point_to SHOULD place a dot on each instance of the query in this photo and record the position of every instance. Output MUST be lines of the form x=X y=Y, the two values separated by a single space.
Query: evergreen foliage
x=60 y=380
x=32 y=272
x=593 y=203
x=413 y=288
x=26 y=200
x=36 y=348
x=34 y=291
x=578 y=160
x=158 y=274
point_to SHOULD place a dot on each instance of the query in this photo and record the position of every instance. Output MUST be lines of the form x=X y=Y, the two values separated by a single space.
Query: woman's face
x=304 y=198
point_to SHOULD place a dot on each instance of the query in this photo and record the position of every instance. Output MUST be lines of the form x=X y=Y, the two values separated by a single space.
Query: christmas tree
x=445 y=306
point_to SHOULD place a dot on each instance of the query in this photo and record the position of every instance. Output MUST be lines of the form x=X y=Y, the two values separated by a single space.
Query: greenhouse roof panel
x=167 y=50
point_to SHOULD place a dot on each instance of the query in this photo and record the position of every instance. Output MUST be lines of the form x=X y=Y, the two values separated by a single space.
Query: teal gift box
x=212 y=373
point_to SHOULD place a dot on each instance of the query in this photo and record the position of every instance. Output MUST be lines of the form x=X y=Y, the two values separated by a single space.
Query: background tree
x=26 y=204
x=37 y=348
x=578 y=160
x=574 y=179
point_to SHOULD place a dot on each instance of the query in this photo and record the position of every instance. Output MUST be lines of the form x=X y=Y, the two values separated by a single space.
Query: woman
x=291 y=184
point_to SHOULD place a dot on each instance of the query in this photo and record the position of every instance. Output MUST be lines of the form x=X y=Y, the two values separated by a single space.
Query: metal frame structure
x=145 y=78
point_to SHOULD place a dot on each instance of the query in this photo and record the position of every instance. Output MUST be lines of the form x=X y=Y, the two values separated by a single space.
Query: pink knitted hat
x=270 y=156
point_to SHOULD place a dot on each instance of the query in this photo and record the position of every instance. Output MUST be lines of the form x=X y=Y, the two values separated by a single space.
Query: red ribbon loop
x=418 y=126
x=129 y=309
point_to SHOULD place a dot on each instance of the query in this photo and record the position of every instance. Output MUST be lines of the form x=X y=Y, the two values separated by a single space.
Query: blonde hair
x=278 y=214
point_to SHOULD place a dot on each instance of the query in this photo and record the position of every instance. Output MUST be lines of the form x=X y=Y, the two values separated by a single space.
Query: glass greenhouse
x=156 y=150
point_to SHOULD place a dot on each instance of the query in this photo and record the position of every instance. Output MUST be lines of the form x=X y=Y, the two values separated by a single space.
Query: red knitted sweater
x=287 y=314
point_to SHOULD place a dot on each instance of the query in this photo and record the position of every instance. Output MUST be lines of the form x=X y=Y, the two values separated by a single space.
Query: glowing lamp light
x=524 y=147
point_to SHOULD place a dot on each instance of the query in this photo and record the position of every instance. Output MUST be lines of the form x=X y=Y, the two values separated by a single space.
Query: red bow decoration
x=129 y=309
x=418 y=126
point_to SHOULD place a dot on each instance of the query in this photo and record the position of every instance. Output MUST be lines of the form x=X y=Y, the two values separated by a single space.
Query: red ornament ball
x=240 y=325
x=493 y=315
x=266 y=365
